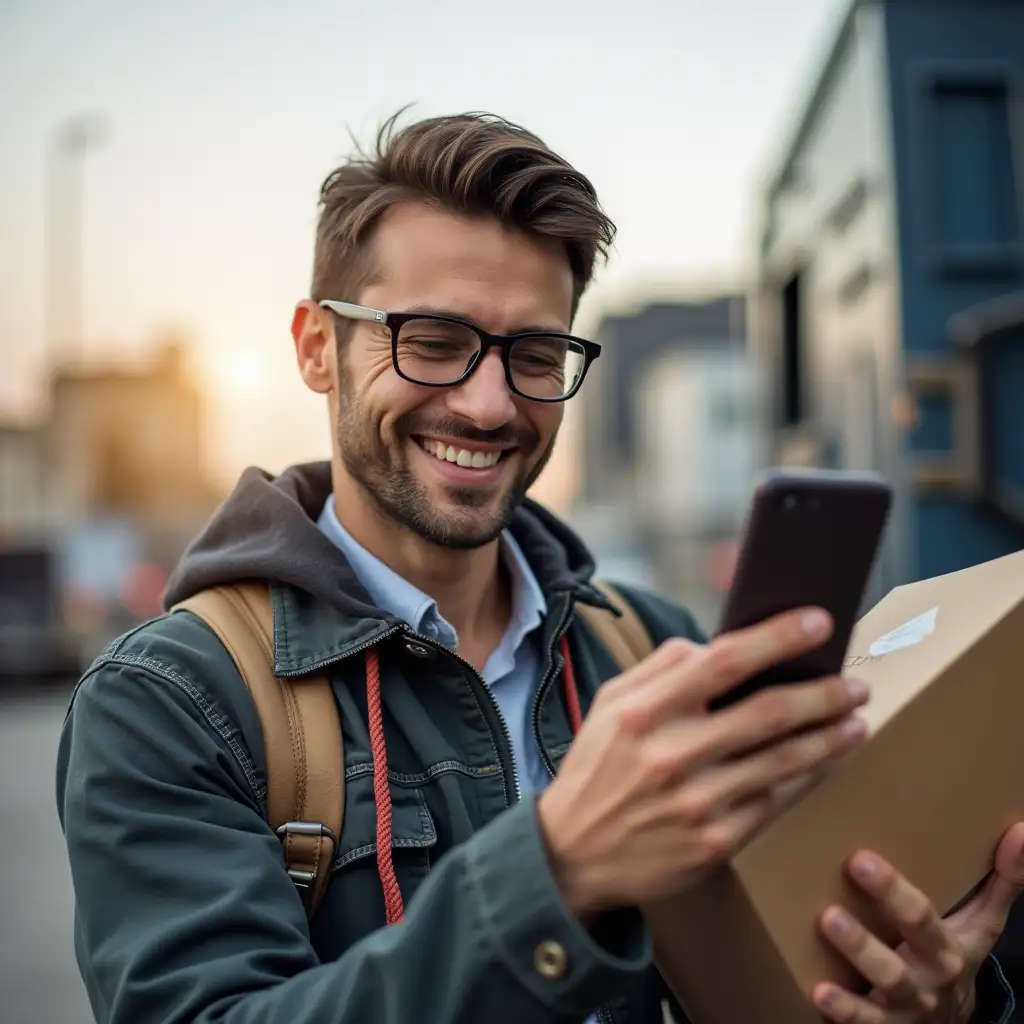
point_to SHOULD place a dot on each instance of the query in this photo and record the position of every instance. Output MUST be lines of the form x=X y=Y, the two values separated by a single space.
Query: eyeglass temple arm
x=350 y=311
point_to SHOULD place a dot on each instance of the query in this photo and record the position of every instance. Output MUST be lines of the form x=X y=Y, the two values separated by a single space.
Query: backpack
x=301 y=730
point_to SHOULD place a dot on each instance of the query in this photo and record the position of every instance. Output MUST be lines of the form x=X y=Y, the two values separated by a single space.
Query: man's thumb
x=989 y=910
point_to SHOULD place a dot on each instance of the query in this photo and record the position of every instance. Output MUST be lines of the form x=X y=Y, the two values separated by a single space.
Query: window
x=792 y=353
x=974 y=163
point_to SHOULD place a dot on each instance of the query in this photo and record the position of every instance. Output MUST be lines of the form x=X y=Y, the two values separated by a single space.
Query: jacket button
x=417 y=650
x=550 y=959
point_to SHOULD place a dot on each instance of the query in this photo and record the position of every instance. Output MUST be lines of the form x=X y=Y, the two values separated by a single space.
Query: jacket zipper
x=477 y=678
x=549 y=675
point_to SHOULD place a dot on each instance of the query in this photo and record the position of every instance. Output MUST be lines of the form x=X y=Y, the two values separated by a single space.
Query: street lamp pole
x=71 y=143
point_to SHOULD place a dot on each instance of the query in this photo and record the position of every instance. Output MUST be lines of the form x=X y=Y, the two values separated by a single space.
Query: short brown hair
x=472 y=164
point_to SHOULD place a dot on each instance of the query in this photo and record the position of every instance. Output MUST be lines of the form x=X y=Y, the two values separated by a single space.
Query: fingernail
x=857 y=689
x=854 y=729
x=864 y=868
x=828 y=999
x=814 y=623
x=839 y=922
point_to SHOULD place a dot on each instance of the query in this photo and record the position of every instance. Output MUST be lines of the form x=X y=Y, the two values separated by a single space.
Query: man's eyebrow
x=428 y=310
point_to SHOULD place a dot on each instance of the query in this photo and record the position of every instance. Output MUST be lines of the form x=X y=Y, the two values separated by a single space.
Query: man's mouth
x=468 y=458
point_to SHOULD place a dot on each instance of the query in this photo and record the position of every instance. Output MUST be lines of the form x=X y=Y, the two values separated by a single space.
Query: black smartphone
x=811 y=538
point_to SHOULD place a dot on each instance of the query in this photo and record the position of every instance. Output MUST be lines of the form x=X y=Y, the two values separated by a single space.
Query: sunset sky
x=224 y=117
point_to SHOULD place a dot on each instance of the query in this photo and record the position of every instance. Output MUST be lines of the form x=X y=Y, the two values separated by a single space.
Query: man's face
x=402 y=443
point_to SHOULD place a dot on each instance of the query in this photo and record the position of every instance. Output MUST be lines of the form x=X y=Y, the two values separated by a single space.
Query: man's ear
x=313 y=332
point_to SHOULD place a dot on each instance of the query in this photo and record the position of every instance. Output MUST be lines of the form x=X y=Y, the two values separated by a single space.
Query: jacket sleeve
x=185 y=914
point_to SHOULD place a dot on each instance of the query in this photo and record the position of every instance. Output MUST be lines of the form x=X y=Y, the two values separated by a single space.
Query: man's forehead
x=431 y=260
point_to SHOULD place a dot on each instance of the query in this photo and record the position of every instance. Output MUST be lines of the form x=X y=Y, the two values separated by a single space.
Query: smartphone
x=811 y=538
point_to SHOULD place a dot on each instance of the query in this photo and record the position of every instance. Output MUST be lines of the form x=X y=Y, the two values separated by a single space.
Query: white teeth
x=460 y=456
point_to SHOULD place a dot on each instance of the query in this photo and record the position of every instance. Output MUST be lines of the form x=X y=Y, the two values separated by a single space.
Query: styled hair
x=473 y=164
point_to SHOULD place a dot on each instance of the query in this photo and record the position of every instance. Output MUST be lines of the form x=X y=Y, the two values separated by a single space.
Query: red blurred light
x=142 y=590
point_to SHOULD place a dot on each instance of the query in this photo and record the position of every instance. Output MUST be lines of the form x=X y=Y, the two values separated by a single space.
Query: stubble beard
x=393 y=487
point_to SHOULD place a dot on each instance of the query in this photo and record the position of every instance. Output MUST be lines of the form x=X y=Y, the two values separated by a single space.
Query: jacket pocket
x=354 y=903
x=412 y=827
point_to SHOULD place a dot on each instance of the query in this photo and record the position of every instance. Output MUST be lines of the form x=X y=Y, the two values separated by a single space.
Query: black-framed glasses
x=441 y=351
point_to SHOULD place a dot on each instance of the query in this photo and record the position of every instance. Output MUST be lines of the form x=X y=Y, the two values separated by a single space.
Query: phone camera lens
x=790 y=502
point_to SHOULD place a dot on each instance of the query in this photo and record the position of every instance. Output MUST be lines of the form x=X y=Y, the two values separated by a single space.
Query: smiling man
x=510 y=798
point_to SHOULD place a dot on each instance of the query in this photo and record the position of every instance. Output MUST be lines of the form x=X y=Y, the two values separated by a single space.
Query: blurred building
x=22 y=483
x=128 y=443
x=104 y=492
x=669 y=444
x=888 y=320
x=122 y=442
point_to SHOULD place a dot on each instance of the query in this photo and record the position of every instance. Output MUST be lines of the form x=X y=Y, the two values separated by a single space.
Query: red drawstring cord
x=382 y=794
x=572 y=695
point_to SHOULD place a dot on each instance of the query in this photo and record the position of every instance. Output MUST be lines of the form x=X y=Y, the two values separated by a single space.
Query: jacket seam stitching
x=426 y=838
x=216 y=721
x=357 y=771
x=399 y=844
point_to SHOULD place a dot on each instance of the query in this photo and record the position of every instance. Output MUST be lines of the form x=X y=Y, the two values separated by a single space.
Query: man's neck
x=472 y=593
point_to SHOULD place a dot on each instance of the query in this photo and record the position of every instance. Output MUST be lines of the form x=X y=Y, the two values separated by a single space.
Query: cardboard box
x=934 y=788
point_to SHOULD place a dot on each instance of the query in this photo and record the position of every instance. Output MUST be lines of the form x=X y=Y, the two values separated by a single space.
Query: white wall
x=700 y=441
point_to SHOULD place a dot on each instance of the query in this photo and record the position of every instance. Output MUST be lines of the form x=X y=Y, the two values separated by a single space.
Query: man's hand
x=655 y=790
x=929 y=979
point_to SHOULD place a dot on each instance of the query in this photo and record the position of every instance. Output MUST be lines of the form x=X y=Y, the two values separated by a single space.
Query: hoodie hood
x=267 y=530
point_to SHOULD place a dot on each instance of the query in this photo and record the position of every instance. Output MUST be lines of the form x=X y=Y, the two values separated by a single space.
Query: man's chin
x=465 y=519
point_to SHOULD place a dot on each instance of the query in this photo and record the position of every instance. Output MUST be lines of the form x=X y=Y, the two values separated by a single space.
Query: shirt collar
x=400 y=597
x=388 y=590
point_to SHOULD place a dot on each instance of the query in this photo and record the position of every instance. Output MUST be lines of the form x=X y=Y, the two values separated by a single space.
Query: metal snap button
x=417 y=650
x=550 y=959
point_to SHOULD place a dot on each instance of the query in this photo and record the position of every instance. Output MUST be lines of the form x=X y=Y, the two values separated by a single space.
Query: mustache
x=521 y=436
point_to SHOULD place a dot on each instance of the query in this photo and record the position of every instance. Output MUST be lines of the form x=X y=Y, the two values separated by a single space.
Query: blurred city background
x=820 y=262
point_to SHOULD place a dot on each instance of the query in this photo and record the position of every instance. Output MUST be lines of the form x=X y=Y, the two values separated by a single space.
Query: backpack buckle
x=302 y=879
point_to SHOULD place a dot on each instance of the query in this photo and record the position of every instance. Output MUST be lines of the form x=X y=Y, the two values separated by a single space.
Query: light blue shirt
x=513 y=670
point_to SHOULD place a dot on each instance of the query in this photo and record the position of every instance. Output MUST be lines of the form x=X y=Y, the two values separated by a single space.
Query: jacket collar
x=266 y=530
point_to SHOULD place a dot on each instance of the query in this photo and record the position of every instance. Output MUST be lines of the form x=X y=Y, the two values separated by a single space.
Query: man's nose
x=484 y=399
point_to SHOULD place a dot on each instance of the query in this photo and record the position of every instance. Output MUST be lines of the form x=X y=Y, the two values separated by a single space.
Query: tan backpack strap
x=625 y=638
x=301 y=735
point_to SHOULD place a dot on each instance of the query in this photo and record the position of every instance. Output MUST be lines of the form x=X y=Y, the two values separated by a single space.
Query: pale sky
x=224 y=117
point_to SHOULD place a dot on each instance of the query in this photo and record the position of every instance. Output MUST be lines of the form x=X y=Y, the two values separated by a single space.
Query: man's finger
x=663 y=665
x=931 y=939
x=733 y=657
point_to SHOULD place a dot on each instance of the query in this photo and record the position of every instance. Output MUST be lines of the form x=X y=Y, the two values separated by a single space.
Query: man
x=448 y=268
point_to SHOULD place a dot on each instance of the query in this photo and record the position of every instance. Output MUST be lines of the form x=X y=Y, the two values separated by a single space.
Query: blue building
x=888 y=318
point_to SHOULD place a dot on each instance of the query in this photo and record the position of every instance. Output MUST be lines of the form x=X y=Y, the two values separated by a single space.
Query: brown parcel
x=933 y=789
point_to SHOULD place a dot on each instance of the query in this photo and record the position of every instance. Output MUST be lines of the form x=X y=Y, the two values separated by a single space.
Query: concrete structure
x=669 y=444
x=888 y=321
